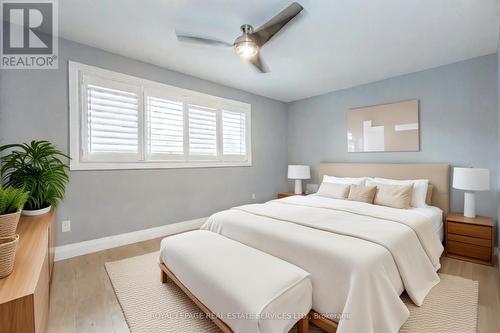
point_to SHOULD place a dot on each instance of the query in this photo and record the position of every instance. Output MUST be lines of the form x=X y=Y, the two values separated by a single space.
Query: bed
x=361 y=257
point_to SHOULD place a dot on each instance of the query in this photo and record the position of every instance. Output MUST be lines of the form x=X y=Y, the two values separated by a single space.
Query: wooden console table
x=24 y=295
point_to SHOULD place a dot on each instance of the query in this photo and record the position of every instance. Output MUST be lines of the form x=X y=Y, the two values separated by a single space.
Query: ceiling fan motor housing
x=246 y=29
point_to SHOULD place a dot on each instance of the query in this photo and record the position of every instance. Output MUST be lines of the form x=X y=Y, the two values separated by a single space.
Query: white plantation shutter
x=234 y=133
x=112 y=120
x=165 y=126
x=119 y=121
x=202 y=131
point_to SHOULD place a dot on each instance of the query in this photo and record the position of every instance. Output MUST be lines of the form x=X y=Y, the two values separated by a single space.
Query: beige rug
x=150 y=306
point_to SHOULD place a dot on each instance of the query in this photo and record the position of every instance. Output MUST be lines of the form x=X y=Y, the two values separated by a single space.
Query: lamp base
x=469 y=204
x=298 y=186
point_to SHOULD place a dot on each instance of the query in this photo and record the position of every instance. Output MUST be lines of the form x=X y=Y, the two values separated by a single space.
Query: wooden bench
x=240 y=288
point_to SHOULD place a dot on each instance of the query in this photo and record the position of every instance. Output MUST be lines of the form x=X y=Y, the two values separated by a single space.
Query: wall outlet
x=253 y=196
x=66 y=226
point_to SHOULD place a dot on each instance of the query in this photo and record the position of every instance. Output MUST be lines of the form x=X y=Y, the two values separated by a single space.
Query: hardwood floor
x=82 y=298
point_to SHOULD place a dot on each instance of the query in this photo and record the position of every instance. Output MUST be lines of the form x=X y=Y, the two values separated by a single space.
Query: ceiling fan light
x=245 y=46
x=246 y=49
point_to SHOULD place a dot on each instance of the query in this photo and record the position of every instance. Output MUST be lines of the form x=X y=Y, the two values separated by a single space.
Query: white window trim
x=78 y=162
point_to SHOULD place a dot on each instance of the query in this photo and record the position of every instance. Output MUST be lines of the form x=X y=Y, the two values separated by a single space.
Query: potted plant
x=38 y=169
x=11 y=202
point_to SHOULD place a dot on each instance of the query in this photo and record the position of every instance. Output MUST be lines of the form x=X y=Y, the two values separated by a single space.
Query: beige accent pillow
x=396 y=196
x=362 y=193
x=332 y=190
x=428 y=198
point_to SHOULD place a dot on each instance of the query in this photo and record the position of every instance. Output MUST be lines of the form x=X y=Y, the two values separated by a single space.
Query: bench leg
x=303 y=325
x=163 y=276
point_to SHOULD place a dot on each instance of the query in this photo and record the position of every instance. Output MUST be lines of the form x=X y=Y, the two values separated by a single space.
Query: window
x=233 y=133
x=165 y=127
x=123 y=122
x=202 y=131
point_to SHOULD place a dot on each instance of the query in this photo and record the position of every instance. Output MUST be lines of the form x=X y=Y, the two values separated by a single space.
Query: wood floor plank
x=82 y=298
x=488 y=277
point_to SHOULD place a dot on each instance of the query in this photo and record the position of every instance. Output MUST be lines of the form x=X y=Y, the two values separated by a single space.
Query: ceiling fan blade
x=201 y=40
x=264 y=33
x=257 y=62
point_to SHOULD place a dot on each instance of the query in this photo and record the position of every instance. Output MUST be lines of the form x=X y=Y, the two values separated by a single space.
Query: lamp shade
x=471 y=179
x=299 y=172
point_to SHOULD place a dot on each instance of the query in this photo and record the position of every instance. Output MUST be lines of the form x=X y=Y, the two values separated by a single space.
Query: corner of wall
x=498 y=143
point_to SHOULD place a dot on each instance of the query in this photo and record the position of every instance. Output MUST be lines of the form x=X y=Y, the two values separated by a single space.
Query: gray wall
x=103 y=203
x=459 y=121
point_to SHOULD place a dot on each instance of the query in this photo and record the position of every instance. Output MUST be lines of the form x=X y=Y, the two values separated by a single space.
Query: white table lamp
x=471 y=180
x=299 y=172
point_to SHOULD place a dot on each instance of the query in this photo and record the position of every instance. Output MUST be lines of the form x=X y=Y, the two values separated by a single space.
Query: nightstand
x=286 y=194
x=469 y=238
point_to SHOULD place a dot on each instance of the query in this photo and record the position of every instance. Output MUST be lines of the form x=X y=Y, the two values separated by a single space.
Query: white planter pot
x=36 y=212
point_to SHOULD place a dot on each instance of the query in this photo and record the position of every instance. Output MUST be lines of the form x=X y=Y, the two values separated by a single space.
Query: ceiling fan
x=249 y=43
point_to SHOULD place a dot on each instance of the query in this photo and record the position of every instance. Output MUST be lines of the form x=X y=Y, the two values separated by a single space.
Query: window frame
x=79 y=74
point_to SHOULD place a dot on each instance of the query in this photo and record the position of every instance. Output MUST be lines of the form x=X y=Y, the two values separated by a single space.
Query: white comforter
x=361 y=257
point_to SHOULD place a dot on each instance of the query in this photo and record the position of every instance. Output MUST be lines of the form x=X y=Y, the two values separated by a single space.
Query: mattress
x=435 y=214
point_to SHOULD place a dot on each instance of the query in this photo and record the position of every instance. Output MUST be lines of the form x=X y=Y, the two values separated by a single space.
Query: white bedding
x=434 y=214
x=361 y=257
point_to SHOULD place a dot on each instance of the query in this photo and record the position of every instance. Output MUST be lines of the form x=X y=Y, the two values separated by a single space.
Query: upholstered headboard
x=438 y=175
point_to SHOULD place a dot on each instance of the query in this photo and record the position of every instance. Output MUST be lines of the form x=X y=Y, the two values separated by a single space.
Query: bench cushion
x=251 y=291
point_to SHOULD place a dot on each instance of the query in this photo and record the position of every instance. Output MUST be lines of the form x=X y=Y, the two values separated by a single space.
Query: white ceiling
x=333 y=44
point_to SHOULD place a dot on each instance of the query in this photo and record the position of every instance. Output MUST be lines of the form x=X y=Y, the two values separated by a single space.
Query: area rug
x=150 y=306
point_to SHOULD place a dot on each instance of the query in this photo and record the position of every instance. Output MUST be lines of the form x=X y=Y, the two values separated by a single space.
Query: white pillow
x=344 y=180
x=419 y=192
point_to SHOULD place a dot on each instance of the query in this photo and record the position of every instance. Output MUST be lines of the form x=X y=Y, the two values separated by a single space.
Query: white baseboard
x=95 y=245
